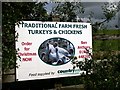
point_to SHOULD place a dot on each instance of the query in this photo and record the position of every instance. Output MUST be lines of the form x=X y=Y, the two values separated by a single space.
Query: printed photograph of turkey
x=56 y=51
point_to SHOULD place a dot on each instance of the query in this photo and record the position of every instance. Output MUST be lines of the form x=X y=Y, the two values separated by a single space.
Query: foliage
x=103 y=74
x=13 y=12
x=68 y=11
x=110 y=9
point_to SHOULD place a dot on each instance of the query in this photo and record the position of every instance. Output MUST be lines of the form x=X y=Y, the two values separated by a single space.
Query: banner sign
x=46 y=49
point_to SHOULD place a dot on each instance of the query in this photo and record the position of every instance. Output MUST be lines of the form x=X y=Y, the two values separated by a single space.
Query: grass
x=100 y=45
x=108 y=32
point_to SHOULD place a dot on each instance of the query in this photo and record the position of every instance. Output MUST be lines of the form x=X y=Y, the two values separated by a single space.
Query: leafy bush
x=103 y=74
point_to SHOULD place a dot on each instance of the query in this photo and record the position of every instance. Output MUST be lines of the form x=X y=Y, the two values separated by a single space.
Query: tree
x=13 y=12
x=110 y=9
x=68 y=11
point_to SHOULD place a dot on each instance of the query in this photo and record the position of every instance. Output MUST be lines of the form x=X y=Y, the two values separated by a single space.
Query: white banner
x=47 y=48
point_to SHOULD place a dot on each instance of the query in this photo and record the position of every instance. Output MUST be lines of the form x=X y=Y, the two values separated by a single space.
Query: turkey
x=65 y=59
x=53 y=56
x=70 y=48
x=43 y=57
x=50 y=47
x=58 y=58
x=61 y=50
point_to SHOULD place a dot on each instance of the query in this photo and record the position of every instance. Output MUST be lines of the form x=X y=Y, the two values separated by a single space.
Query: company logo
x=69 y=71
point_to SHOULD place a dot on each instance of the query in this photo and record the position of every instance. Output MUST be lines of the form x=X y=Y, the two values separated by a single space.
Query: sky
x=95 y=7
x=89 y=5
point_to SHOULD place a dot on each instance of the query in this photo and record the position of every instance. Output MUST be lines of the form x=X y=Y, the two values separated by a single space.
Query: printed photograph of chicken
x=56 y=51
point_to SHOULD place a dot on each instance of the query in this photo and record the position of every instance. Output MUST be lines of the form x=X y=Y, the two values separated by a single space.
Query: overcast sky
x=90 y=5
x=95 y=7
